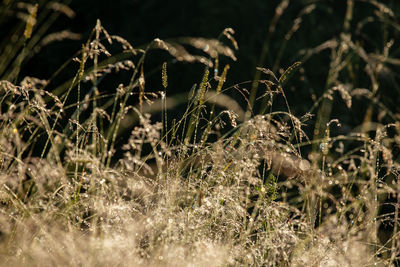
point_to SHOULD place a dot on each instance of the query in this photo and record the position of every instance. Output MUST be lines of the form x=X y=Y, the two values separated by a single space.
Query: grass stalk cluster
x=88 y=177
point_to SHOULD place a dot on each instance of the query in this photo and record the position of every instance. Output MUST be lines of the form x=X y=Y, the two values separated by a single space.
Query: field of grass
x=94 y=175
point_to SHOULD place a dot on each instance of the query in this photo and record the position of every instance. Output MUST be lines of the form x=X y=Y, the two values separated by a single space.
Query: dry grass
x=216 y=187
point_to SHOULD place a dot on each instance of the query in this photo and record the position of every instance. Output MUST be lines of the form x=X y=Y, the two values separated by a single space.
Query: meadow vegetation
x=93 y=175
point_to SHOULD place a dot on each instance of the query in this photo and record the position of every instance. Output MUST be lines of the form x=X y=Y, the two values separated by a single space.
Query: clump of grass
x=217 y=186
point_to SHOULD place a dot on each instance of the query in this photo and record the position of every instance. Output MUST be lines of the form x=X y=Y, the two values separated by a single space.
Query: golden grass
x=214 y=187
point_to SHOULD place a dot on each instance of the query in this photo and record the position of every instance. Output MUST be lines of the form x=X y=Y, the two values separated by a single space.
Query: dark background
x=141 y=21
